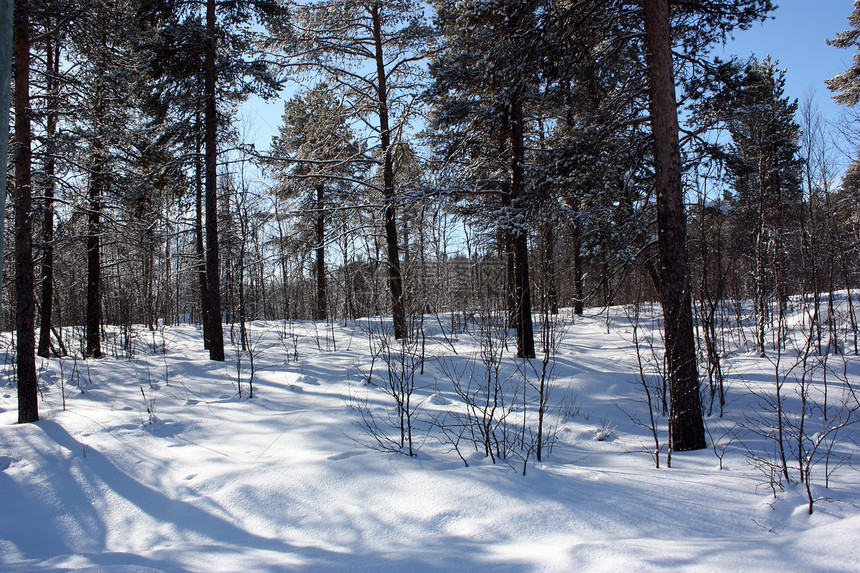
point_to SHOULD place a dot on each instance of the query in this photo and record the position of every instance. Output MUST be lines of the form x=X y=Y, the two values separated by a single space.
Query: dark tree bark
x=213 y=277
x=525 y=330
x=322 y=285
x=95 y=192
x=149 y=303
x=28 y=408
x=578 y=290
x=240 y=284
x=761 y=283
x=507 y=250
x=506 y=236
x=549 y=267
x=93 y=319
x=389 y=215
x=687 y=427
x=52 y=64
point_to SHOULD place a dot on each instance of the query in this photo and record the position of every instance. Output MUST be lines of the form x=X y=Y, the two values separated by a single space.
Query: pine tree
x=53 y=51
x=486 y=87
x=214 y=50
x=28 y=410
x=698 y=25
x=766 y=171
x=369 y=50
x=312 y=156
x=846 y=85
x=102 y=39
x=597 y=162
x=688 y=432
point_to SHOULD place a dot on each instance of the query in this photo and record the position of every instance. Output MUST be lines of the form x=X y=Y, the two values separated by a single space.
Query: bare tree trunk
x=349 y=310
x=549 y=267
x=578 y=290
x=510 y=272
x=52 y=59
x=605 y=279
x=261 y=276
x=322 y=286
x=389 y=215
x=761 y=239
x=852 y=315
x=28 y=407
x=210 y=120
x=198 y=245
x=94 y=279
x=687 y=427
x=243 y=311
x=166 y=310
x=149 y=277
x=525 y=332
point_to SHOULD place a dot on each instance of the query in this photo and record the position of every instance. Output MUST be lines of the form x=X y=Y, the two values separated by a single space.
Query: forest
x=515 y=173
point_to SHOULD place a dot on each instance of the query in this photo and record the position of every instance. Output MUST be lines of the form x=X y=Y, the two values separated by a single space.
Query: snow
x=211 y=481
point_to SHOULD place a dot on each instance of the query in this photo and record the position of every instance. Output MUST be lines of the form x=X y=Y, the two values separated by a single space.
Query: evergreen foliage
x=847 y=84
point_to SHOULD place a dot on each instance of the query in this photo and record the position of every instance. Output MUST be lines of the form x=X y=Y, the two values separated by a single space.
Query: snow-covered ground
x=157 y=464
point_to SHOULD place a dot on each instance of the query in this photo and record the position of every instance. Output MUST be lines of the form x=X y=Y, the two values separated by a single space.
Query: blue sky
x=796 y=36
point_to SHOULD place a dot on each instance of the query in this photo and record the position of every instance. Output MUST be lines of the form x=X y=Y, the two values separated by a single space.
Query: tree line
x=505 y=154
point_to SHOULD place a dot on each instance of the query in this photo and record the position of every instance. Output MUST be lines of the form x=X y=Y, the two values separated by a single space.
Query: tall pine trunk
x=322 y=286
x=52 y=59
x=150 y=289
x=522 y=289
x=389 y=215
x=761 y=284
x=507 y=251
x=92 y=320
x=687 y=427
x=549 y=267
x=213 y=277
x=578 y=290
x=28 y=408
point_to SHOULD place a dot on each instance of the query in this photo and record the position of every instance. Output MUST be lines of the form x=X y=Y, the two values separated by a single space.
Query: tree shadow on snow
x=42 y=537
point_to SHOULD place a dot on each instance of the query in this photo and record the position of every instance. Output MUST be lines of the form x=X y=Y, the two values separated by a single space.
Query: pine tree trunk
x=149 y=277
x=389 y=215
x=92 y=321
x=322 y=286
x=28 y=408
x=243 y=311
x=52 y=58
x=525 y=331
x=549 y=267
x=166 y=310
x=761 y=273
x=210 y=118
x=95 y=193
x=578 y=291
x=510 y=271
x=687 y=427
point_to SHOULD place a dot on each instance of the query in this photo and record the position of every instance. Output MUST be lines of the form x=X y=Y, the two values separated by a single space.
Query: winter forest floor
x=156 y=463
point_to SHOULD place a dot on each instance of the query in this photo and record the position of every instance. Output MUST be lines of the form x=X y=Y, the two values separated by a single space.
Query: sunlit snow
x=208 y=481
